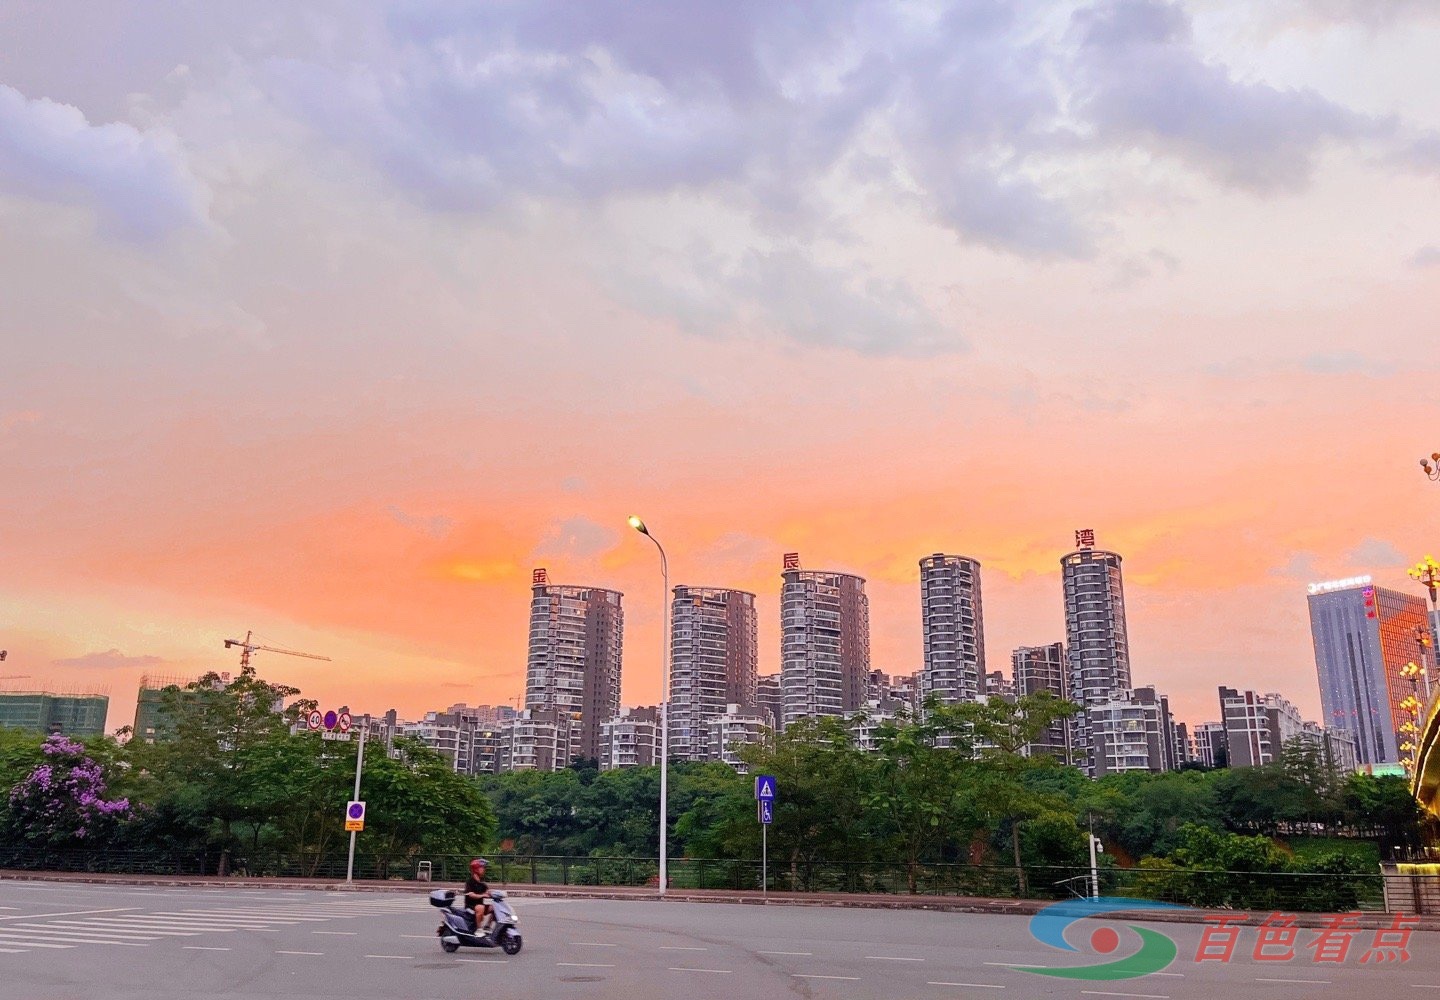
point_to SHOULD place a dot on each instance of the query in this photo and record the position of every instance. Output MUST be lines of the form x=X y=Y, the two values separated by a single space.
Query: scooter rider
x=477 y=895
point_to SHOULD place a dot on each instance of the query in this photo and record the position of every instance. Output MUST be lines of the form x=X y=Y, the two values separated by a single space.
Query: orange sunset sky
x=332 y=321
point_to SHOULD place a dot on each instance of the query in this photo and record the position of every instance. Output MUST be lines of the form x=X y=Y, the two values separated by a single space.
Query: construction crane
x=247 y=647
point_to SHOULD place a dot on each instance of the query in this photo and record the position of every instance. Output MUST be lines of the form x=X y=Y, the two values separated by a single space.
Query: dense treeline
x=230 y=785
x=955 y=788
x=230 y=782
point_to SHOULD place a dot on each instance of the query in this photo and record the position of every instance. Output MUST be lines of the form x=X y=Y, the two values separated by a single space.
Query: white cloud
x=137 y=182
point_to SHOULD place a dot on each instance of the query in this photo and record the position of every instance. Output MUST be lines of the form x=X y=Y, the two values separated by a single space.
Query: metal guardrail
x=1288 y=891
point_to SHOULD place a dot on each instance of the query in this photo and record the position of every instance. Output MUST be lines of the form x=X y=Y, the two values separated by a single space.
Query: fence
x=1211 y=889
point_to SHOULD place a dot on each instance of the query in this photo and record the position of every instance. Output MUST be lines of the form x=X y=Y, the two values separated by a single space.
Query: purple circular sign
x=331 y=718
x=356 y=810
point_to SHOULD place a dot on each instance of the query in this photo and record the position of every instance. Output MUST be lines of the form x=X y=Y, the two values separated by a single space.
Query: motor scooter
x=457 y=928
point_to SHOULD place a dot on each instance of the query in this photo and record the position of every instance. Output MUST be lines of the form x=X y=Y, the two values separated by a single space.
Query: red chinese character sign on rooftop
x=539 y=577
x=1085 y=538
x=792 y=560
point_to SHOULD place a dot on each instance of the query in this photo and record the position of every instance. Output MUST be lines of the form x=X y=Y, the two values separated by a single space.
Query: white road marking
x=78 y=937
x=1177 y=975
x=342 y=933
x=585 y=965
x=677 y=947
x=388 y=956
x=1105 y=993
x=1317 y=982
x=313 y=953
x=725 y=971
x=4 y=939
x=805 y=953
x=12 y=951
x=893 y=958
x=593 y=944
x=70 y=913
x=118 y=925
x=200 y=947
x=974 y=986
x=62 y=930
x=801 y=975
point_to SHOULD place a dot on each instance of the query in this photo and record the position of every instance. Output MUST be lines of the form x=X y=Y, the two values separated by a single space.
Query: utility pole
x=1094 y=861
x=359 y=766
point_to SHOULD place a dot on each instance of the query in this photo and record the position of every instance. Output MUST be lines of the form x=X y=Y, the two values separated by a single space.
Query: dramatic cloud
x=1141 y=81
x=137 y=182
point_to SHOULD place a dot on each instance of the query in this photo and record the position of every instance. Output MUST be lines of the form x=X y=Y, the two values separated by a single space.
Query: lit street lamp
x=639 y=526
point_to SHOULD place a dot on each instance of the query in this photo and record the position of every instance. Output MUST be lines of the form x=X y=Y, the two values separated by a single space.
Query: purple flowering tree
x=62 y=803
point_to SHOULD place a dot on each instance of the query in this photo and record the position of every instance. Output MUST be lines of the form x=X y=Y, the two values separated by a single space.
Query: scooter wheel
x=510 y=943
x=449 y=948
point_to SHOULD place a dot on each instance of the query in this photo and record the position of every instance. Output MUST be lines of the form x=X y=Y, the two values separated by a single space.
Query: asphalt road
x=66 y=942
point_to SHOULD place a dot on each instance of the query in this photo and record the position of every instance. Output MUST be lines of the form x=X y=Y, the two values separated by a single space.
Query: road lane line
x=677 y=947
x=593 y=944
x=802 y=975
x=892 y=958
x=388 y=956
x=311 y=953
x=200 y=947
x=1317 y=982
x=1177 y=975
x=974 y=986
x=585 y=965
x=725 y=971
x=12 y=951
x=806 y=954
x=340 y=933
x=1107 y=993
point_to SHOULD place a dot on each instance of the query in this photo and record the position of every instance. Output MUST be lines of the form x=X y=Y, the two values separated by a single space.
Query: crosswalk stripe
x=68 y=929
x=34 y=944
x=147 y=928
x=76 y=936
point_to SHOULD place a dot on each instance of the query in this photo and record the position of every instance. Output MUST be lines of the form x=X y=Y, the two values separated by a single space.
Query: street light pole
x=639 y=526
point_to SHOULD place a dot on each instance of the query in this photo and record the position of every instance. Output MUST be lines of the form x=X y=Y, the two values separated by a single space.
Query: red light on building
x=539 y=577
x=792 y=560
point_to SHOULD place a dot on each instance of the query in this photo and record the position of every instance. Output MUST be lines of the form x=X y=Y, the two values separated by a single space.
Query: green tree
x=916 y=784
x=823 y=784
x=1003 y=731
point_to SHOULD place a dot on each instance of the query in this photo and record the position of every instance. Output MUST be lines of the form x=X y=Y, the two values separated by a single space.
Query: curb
x=936 y=904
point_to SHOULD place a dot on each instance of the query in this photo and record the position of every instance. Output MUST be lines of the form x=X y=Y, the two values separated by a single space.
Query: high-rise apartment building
x=1037 y=669
x=953 y=629
x=713 y=656
x=770 y=700
x=1132 y=731
x=576 y=641
x=630 y=739
x=1364 y=635
x=824 y=642
x=1257 y=726
x=1210 y=747
x=1095 y=635
x=737 y=728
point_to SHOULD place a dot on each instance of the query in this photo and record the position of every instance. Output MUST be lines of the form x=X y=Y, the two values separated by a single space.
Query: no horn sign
x=355 y=816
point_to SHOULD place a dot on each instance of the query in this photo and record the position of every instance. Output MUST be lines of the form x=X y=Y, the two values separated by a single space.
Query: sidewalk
x=521 y=890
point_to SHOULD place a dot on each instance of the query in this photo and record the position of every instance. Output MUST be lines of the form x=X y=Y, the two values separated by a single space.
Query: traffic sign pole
x=764 y=860
x=359 y=766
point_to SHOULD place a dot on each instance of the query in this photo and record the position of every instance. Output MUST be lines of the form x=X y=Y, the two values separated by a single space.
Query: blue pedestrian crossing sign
x=765 y=787
x=766 y=810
